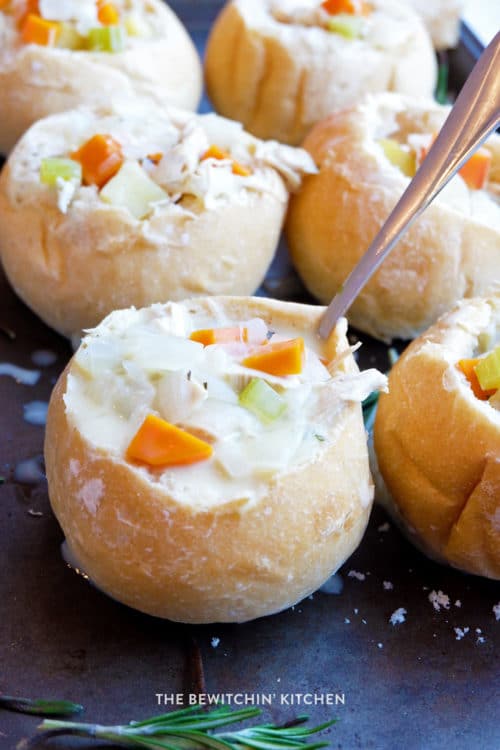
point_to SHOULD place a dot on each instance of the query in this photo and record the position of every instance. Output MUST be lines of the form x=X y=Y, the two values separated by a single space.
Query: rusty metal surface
x=412 y=685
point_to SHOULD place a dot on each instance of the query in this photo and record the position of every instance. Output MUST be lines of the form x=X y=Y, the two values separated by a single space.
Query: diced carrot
x=159 y=443
x=352 y=7
x=280 y=358
x=240 y=169
x=475 y=171
x=467 y=366
x=36 y=30
x=155 y=158
x=107 y=13
x=30 y=7
x=101 y=157
x=210 y=336
x=214 y=152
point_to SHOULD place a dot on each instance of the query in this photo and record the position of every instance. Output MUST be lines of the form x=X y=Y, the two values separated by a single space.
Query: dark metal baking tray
x=417 y=685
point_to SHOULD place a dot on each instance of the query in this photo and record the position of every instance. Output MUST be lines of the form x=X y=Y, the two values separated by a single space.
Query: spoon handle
x=475 y=114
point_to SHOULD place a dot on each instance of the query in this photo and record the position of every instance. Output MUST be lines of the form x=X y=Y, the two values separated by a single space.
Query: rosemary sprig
x=190 y=729
x=40 y=707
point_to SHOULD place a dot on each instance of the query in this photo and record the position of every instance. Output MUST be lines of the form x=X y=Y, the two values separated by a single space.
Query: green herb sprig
x=40 y=707
x=190 y=729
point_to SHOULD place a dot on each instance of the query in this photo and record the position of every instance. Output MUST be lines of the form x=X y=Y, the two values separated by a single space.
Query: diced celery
x=69 y=38
x=404 y=159
x=106 y=39
x=52 y=169
x=488 y=370
x=347 y=25
x=131 y=188
x=136 y=26
x=259 y=398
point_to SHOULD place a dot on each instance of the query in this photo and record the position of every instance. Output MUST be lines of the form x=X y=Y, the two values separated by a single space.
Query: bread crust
x=74 y=268
x=438 y=446
x=38 y=81
x=233 y=562
x=444 y=256
x=279 y=79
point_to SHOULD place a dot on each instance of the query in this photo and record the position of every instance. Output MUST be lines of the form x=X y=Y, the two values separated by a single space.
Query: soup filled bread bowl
x=279 y=66
x=207 y=459
x=105 y=209
x=59 y=54
x=437 y=438
x=366 y=157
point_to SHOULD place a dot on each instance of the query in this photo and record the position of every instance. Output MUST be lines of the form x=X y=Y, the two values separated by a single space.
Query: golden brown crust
x=332 y=220
x=272 y=76
x=39 y=81
x=438 y=446
x=234 y=562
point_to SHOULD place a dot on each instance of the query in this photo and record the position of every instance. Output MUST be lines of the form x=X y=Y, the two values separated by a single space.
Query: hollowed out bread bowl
x=450 y=252
x=275 y=66
x=442 y=20
x=157 y=61
x=174 y=221
x=438 y=444
x=256 y=526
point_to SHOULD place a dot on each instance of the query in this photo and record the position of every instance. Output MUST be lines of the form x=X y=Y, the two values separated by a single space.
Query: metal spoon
x=475 y=114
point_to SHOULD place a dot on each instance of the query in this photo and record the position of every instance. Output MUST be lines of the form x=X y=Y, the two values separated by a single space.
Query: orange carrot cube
x=467 y=367
x=101 y=157
x=107 y=13
x=281 y=358
x=36 y=30
x=210 y=336
x=159 y=443
x=475 y=171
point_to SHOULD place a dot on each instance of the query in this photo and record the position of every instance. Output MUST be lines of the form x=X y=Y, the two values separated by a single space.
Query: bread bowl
x=283 y=493
x=442 y=20
x=275 y=65
x=366 y=156
x=176 y=220
x=438 y=444
x=154 y=59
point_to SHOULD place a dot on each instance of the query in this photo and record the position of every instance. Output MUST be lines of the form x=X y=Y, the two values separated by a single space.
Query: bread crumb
x=384 y=527
x=461 y=633
x=388 y=586
x=399 y=616
x=380 y=645
x=215 y=642
x=347 y=621
x=496 y=611
x=458 y=603
x=478 y=631
x=438 y=600
x=357 y=575
x=480 y=639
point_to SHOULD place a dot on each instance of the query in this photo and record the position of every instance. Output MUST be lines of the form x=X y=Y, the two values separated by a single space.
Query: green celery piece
x=106 y=39
x=69 y=38
x=51 y=169
x=133 y=189
x=404 y=160
x=488 y=370
x=347 y=25
x=262 y=400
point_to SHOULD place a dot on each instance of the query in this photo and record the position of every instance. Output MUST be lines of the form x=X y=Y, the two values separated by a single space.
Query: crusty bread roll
x=161 y=65
x=438 y=446
x=274 y=66
x=442 y=20
x=252 y=529
x=449 y=253
x=73 y=258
